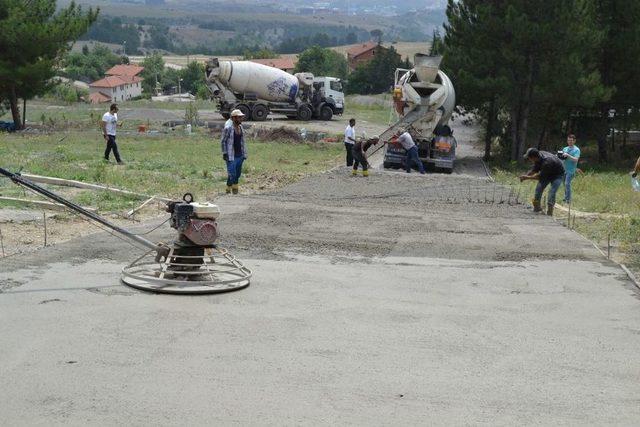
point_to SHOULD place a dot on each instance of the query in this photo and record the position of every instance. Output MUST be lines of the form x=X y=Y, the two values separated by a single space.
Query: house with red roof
x=285 y=64
x=363 y=53
x=120 y=84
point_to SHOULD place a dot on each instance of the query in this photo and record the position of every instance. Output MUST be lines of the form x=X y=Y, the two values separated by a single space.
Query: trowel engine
x=195 y=222
x=197 y=229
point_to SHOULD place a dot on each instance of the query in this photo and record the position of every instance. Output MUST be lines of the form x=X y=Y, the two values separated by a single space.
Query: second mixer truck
x=258 y=90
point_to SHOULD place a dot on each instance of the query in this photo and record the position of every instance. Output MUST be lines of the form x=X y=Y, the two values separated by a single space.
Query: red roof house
x=124 y=70
x=284 y=64
x=363 y=53
x=117 y=87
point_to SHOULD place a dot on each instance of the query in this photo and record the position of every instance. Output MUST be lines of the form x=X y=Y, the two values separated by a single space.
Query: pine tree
x=529 y=59
x=33 y=36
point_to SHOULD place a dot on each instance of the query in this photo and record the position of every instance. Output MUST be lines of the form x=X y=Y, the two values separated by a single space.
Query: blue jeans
x=567 y=186
x=234 y=170
x=555 y=184
x=412 y=156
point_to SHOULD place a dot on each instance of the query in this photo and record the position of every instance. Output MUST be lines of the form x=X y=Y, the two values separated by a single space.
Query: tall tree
x=152 y=74
x=193 y=77
x=619 y=60
x=376 y=76
x=322 y=62
x=529 y=59
x=33 y=37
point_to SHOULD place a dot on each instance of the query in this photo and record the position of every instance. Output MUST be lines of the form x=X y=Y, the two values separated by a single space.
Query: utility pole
x=179 y=80
x=124 y=47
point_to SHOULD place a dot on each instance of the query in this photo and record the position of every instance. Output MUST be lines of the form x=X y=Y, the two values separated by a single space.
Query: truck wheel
x=387 y=165
x=326 y=113
x=259 y=113
x=245 y=110
x=304 y=113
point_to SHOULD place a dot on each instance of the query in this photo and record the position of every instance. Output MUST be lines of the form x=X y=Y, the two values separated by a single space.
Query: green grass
x=167 y=165
x=371 y=113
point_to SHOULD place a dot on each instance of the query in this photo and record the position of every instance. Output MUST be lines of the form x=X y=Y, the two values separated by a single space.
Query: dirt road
x=389 y=300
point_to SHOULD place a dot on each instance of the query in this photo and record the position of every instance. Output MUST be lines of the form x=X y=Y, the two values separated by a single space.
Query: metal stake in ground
x=1 y=243
x=44 y=221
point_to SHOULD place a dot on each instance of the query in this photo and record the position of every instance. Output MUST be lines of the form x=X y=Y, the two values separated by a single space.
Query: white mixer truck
x=425 y=99
x=257 y=90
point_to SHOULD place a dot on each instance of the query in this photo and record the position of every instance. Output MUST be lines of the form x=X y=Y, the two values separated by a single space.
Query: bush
x=191 y=115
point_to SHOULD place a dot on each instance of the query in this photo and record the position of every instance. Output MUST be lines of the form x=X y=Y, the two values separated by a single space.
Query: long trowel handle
x=19 y=180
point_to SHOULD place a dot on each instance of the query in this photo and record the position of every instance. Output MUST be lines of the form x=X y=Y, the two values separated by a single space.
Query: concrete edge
x=628 y=272
x=631 y=276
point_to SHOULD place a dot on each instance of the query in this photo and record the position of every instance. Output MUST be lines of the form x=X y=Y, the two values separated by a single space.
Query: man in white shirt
x=109 y=124
x=405 y=139
x=349 y=140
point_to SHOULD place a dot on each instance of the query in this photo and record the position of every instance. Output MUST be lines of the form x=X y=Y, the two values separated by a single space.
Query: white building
x=121 y=84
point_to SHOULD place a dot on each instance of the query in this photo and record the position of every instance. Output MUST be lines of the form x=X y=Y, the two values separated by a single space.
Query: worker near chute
x=349 y=140
x=234 y=150
x=405 y=139
x=360 y=155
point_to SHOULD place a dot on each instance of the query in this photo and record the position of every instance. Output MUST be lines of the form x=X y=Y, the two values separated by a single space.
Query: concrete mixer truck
x=424 y=99
x=257 y=90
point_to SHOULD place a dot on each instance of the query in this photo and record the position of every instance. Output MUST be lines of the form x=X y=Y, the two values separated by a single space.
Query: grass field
x=167 y=165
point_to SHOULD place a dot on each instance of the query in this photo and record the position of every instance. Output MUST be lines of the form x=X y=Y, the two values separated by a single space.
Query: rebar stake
x=44 y=221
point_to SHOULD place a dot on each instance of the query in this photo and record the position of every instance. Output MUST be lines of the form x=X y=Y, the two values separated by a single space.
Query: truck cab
x=332 y=88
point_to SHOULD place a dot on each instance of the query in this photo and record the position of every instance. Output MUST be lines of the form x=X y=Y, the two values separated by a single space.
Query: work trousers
x=349 y=148
x=567 y=186
x=412 y=157
x=359 y=159
x=234 y=170
x=555 y=184
x=111 y=145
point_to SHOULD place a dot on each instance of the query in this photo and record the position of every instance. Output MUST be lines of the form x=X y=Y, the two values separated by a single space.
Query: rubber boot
x=228 y=190
x=365 y=173
x=550 y=210
x=354 y=172
x=536 y=206
x=235 y=189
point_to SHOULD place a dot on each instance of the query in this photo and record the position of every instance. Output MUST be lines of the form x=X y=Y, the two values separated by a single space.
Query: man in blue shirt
x=571 y=157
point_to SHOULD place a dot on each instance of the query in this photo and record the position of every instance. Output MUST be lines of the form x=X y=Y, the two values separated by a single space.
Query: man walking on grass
x=349 y=140
x=234 y=151
x=571 y=157
x=547 y=169
x=109 y=125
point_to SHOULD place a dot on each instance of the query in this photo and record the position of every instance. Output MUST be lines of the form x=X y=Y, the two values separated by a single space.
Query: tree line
x=528 y=68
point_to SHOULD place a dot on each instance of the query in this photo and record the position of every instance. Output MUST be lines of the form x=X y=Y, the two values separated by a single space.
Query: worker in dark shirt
x=234 y=150
x=360 y=157
x=547 y=169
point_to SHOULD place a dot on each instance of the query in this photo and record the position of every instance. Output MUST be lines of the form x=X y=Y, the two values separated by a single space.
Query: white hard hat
x=237 y=113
